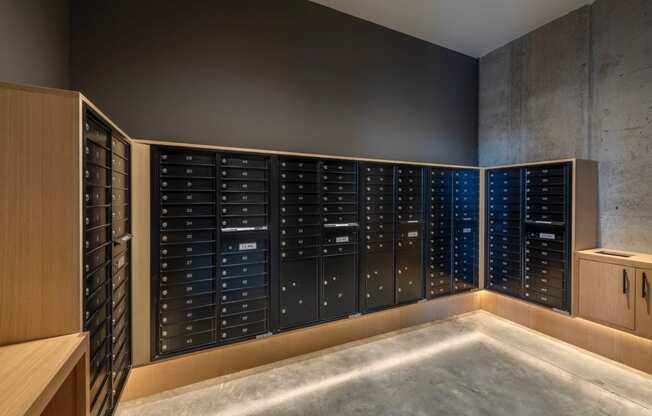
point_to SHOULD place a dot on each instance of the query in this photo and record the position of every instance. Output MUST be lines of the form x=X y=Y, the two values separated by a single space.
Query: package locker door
x=338 y=296
x=300 y=242
x=409 y=272
x=377 y=207
x=299 y=292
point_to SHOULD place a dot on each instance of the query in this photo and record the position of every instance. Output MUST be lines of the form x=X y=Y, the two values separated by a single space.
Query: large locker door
x=378 y=276
x=298 y=292
x=409 y=273
x=409 y=244
x=338 y=277
x=300 y=242
x=377 y=284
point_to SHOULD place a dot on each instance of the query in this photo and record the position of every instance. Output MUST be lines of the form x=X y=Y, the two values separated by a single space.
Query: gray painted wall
x=285 y=74
x=35 y=42
x=580 y=86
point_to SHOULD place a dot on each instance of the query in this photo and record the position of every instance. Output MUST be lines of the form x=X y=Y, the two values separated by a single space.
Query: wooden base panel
x=625 y=348
x=192 y=368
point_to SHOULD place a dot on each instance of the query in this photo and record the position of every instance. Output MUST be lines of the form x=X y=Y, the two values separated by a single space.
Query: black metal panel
x=211 y=262
x=504 y=243
x=547 y=235
x=107 y=259
x=377 y=215
x=439 y=256
x=409 y=230
x=528 y=239
x=466 y=211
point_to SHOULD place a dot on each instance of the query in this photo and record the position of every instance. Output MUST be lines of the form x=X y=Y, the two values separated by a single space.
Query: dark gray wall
x=35 y=42
x=284 y=74
x=581 y=87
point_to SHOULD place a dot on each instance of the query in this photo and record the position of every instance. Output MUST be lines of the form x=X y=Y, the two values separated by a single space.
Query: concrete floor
x=473 y=364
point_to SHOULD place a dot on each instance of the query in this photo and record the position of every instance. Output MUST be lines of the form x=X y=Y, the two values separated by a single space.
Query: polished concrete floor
x=473 y=364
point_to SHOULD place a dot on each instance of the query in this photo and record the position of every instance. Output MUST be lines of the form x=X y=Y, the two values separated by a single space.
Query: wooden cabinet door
x=644 y=302
x=607 y=293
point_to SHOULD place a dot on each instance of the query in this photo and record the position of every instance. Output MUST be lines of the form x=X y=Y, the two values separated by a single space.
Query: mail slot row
x=106 y=259
x=377 y=282
x=504 y=226
x=466 y=211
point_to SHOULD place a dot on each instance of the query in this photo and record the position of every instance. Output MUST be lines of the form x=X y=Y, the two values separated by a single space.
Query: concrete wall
x=580 y=86
x=35 y=42
x=284 y=74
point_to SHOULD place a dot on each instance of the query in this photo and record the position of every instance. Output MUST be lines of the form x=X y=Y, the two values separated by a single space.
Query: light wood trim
x=176 y=372
x=284 y=153
x=526 y=164
x=140 y=185
x=644 y=304
x=39 y=90
x=623 y=347
x=638 y=260
x=32 y=373
x=601 y=296
x=585 y=218
x=40 y=245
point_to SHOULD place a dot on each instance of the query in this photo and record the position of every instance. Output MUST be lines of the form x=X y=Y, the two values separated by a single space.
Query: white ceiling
x=473 y=27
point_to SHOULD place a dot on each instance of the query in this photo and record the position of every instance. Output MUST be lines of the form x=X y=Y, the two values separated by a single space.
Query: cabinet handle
x=644 y=289
x=625 y=281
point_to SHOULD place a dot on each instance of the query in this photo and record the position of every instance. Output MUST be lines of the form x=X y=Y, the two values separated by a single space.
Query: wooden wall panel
x=585 y=218
x=140 y=163
x=625 y=348
x=180 y=371
x=40 y=176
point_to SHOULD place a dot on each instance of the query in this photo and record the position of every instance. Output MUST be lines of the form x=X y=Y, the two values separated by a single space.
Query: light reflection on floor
x=471 y=365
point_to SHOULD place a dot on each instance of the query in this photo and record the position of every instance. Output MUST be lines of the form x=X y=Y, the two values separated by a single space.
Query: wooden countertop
x=634 y=259
x=32 y=372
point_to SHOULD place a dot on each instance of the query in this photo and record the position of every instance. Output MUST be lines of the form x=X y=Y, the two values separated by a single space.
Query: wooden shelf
x=45 y=377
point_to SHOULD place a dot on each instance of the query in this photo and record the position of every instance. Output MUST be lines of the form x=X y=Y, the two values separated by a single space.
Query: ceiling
x=472 y=27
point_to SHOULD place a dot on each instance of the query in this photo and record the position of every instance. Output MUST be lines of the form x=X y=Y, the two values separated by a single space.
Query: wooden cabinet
x=607 y=293
x=643 y=298
x=614 y=289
